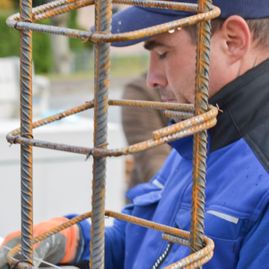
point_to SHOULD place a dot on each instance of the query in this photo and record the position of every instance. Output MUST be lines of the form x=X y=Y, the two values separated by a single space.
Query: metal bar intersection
x=195 y=120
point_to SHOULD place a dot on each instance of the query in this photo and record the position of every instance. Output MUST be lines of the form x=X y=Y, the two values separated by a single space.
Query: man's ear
x=237 y=38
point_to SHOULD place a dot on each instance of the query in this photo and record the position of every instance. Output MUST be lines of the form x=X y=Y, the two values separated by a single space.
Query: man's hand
x=58 y=248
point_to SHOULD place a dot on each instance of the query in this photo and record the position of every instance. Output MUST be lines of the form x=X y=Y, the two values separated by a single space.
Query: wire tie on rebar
x=85 y=40
x=220 y=110
x=15 y=25
x=88 y=39
x=88 y=156
x=13 y=140
x=27 y=20
x=91 y=153
x=27 y=135
x=102 y=146
x=15 y=265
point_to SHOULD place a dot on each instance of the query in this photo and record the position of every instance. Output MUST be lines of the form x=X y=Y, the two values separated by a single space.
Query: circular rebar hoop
x=15 y=22
x=178 y=130
x=204 y=118
x=209 y=121
x=169 y=233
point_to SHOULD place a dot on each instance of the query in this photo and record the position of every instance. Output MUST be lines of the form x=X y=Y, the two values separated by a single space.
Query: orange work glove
x=60 y=248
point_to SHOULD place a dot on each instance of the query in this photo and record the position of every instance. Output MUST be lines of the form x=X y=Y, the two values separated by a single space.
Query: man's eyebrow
x=151 y=44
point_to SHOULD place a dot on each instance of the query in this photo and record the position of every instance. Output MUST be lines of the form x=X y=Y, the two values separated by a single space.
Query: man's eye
x=162 y=55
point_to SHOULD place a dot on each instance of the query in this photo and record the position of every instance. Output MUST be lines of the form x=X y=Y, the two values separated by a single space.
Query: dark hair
x=259 y=29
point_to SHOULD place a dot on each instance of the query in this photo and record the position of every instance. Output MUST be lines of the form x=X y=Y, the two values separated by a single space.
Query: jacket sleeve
x=114 y=243
x=255 y=248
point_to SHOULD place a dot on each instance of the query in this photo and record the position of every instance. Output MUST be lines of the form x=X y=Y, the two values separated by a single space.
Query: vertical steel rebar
x=103 y=13
x=26 y=131
x=200 y=139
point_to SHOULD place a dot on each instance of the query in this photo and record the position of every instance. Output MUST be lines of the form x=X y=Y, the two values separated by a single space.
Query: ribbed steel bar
x=185 y=124
x=26 y=132
x=203 y=120
x=103 y=15
x=195 y=260
x=200 y=139
x=176 y=239
x=55 y=8
x=178 y=130
x=151 y=104
x=14 y=21
x=176 y=115
x=50 y=6
x=188 y=7
x=62 y=6
x=40 y=14
x=170 y=234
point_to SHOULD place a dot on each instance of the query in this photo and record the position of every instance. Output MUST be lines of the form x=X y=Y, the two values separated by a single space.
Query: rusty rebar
x=26 y=132
x=191 y=122
x=103 y=15
x=63 y=6
x=178 y=130
x=176 y=239
x=155 y=105
x=200 y=139
x=50 y=9
x=204 y=118
x=170 y=234
x=14 y=21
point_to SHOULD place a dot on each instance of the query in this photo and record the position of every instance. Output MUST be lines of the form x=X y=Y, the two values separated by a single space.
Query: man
x=237 y=194
x=138 y=125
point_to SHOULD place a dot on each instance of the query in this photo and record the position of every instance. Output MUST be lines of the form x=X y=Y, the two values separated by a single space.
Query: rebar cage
x=195 y=119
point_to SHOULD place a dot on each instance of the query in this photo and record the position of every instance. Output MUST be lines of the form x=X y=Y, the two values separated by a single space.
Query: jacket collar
x=244 y=103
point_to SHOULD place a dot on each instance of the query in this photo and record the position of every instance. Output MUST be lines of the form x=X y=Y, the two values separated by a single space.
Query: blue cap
x=135 y=18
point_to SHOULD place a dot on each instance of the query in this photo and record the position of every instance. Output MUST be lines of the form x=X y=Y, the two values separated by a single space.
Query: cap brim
x=136 y=18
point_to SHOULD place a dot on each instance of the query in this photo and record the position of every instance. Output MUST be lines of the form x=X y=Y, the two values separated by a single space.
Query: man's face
x=172 y=67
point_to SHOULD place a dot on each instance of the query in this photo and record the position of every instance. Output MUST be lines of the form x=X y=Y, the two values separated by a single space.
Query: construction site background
x=58 y=176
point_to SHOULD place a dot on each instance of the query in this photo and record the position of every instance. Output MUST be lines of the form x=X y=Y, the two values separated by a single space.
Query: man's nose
x=155 y=75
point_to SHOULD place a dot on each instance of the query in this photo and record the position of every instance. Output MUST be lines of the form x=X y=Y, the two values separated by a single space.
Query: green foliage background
x=10 y=46
x=42 y=51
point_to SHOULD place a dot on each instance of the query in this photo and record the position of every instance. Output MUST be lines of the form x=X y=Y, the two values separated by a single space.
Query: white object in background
x=10 y=89
x=62 y=181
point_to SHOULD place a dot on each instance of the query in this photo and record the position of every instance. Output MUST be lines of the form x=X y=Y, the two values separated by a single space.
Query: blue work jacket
x=237 y=190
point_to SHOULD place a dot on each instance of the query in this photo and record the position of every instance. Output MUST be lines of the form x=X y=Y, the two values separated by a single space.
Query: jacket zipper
x=162 y=257
x=165 y=253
